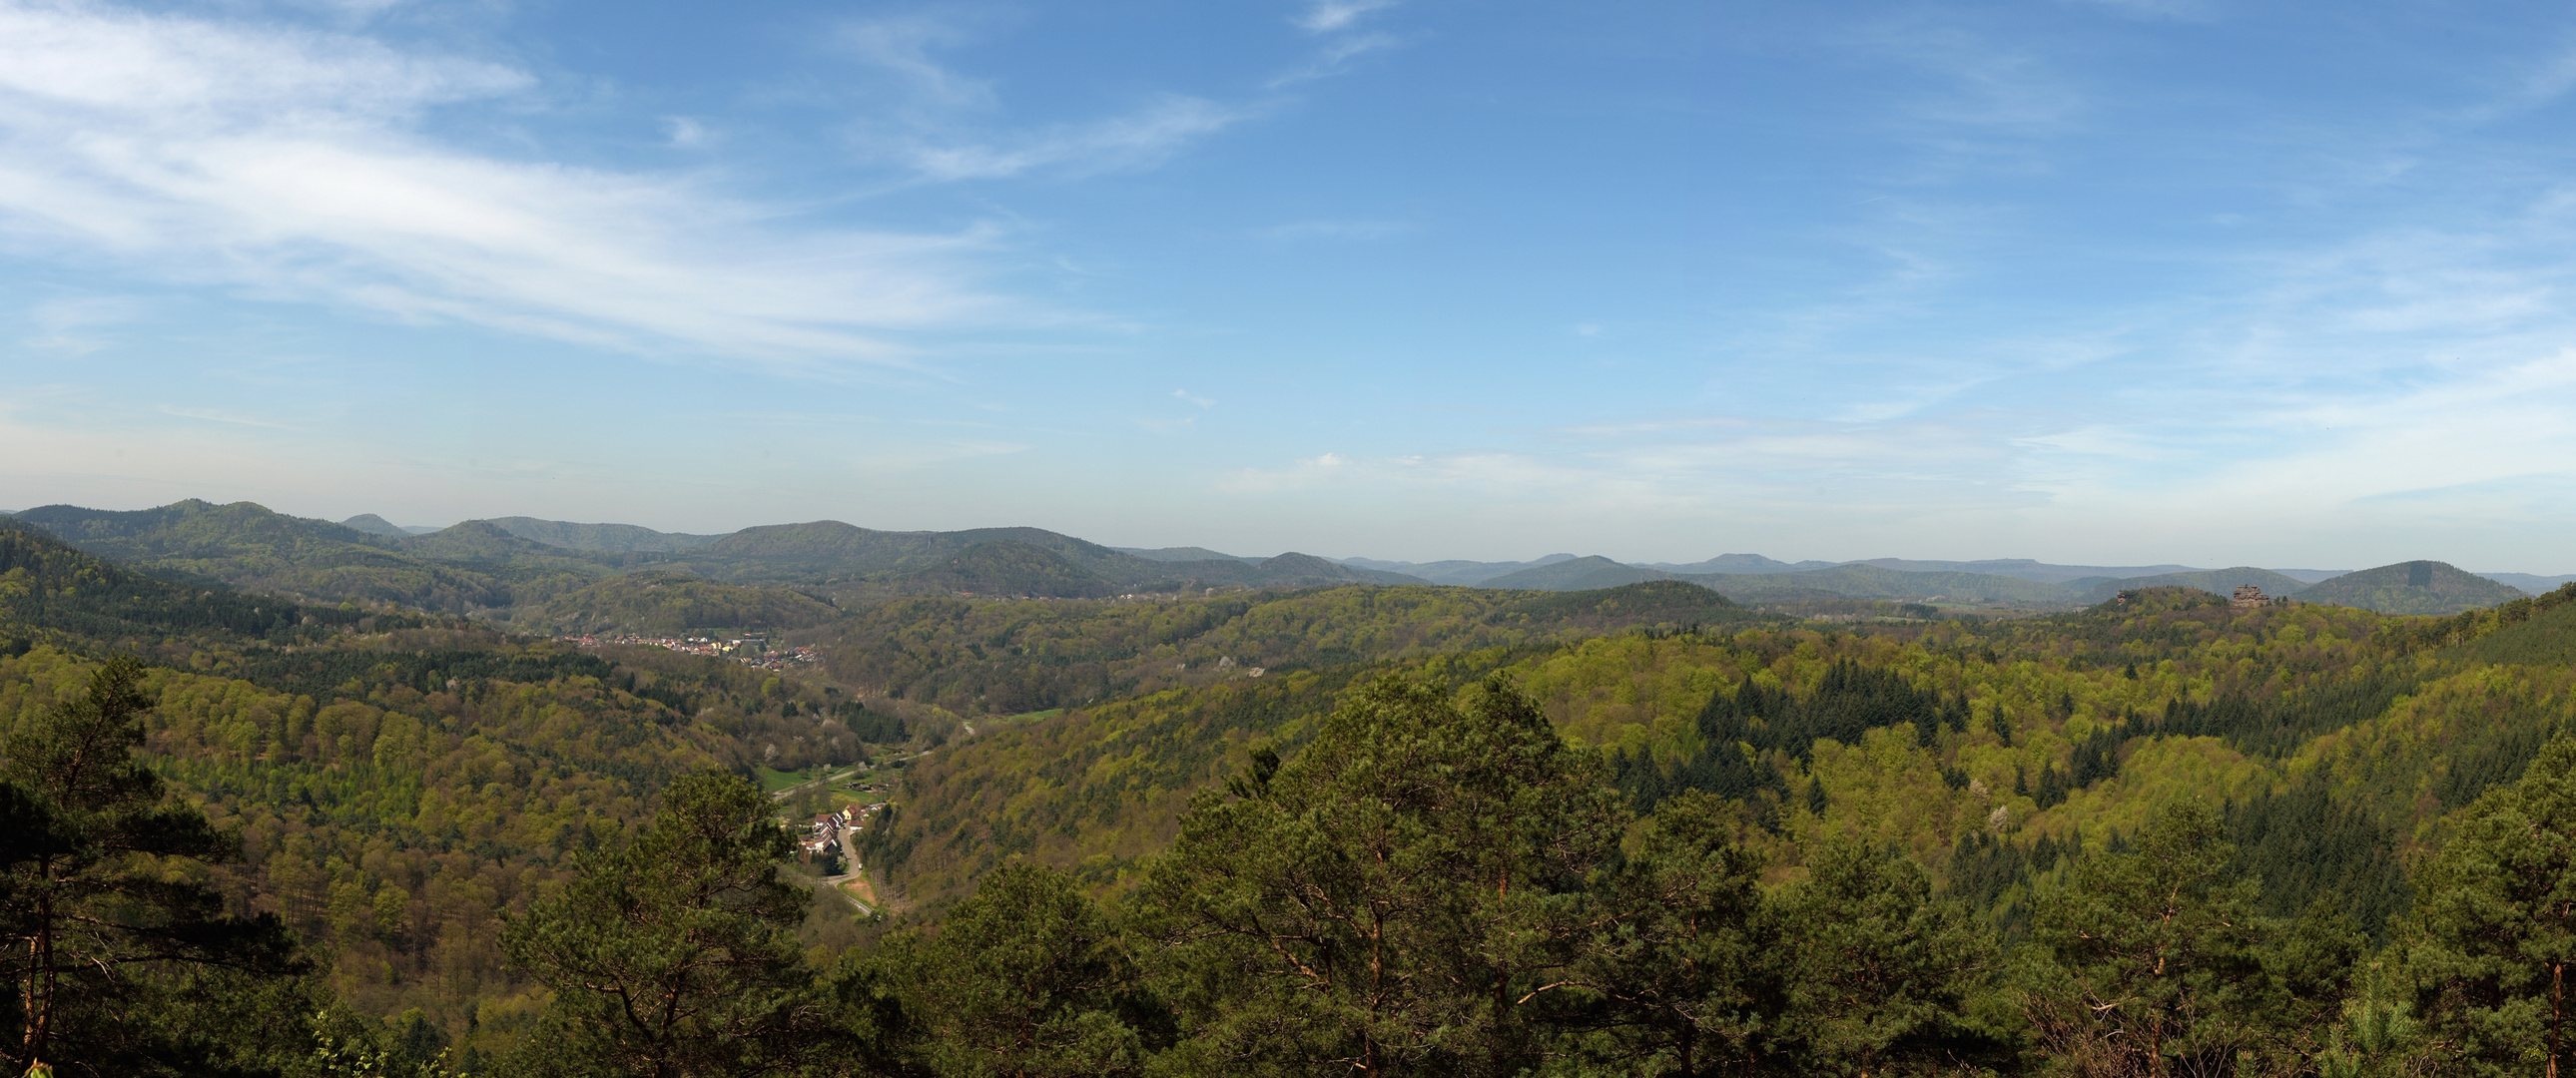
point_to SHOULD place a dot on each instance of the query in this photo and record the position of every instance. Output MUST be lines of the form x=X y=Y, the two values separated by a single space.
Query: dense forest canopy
x=1392 y=829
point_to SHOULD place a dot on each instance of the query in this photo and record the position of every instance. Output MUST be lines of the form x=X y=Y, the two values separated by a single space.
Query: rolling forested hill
x=493 y=567
x=2412 y=587
x=1877 y=582
x=662 y=603
x=2025 y=733
x=623 y=538
x=1575 y=574
x=2219 y=581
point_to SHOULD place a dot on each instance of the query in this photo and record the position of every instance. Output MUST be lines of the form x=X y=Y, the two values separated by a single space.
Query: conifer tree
x=1877 y=973
x=676 y=956
x=2150 y=961
x=1406 y=896
x=1025 y=979
x=102 y=915
x=2493 y=934
x=1680 y=975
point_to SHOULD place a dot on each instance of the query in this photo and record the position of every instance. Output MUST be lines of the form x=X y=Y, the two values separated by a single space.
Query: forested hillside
x=490 y=568
x=397 y=781
x=1012 y=658
x=1667 y=829
x=2412 y=587
x=2029 y=735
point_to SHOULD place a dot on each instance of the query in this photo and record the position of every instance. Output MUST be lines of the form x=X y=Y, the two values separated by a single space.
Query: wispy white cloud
x=70 y=324
x=941 y=125
x=1140 y=139
x=685 y=133
x=1194 y=398
x=901 y=46
x=1334 y=58
x=1991 y=85
x=1328 y=16
x=292 y=163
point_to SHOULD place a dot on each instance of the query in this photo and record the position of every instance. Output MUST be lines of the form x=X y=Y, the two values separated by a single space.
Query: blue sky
x=2106 y=282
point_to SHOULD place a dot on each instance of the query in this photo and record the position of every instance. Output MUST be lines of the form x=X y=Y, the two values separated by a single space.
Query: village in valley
x=752 y=651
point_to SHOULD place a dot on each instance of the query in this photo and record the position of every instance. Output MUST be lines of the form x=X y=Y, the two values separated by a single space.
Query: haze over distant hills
x=557 y=573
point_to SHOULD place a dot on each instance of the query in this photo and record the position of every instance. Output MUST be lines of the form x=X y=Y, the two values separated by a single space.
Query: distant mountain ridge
x=521 y=563
x=1462 y=573
x=1183 y=553
x=498 y=566
x=1576 y=574
x=2530 y=582
x=617 y=537
x=1740 y=563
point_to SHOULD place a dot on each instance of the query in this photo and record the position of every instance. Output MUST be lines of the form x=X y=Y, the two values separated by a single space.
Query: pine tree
x=1403 y=897
x=1877 y=973
x=1026 y=979
x=676 y=955
x=2494 y=928
x=1681 y=966
x=2153 y=961
x=104 y=918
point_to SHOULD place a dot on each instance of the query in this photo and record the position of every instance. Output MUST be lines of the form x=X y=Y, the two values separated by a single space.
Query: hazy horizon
x=1266 y=552
x=2116 y=282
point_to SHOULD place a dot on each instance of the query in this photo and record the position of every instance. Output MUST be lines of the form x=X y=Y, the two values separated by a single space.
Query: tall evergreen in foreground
x=1407 y=896
x=108 y=922
x=676 y=956
x=2494 y=932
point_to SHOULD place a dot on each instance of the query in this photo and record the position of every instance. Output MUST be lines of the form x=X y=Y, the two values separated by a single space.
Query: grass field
x=773 y=781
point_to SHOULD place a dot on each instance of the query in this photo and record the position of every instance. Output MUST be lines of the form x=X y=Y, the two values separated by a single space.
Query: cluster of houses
x=747 y=650
x=823 y=834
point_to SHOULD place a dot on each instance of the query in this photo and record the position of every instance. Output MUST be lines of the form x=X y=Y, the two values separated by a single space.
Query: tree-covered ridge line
x=2032 y=729
x=483 y=567
x=795 y=575
x=1011 y=658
